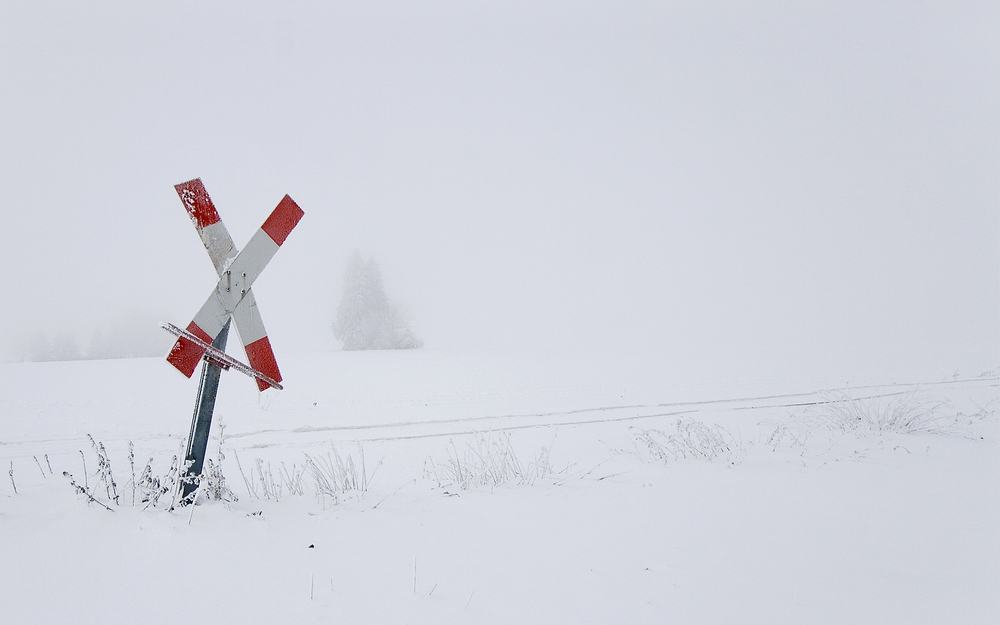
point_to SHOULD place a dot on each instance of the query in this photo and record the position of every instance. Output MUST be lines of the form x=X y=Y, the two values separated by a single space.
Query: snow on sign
x=232 y=296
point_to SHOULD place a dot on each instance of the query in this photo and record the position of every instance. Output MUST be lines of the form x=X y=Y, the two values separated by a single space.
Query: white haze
x=730 y=188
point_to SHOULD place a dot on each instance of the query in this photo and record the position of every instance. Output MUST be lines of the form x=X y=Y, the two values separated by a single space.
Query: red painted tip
x=185 y=356
x=199 y=206
x=195 y=330
x=261 y=358
x=282 y=220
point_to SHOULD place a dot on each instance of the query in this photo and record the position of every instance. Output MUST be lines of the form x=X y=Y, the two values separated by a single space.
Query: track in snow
x=408 y=430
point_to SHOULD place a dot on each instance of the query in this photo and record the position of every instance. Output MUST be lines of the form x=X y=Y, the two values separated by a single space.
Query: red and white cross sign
x=232 y=296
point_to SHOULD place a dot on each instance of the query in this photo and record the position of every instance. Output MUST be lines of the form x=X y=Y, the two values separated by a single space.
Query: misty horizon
x=722 y=188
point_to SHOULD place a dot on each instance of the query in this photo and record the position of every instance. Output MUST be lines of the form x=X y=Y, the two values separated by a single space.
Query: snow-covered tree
x=40 y=347
x=98 y=347
x=65 y=347
x=366 y=319
x=136 y=334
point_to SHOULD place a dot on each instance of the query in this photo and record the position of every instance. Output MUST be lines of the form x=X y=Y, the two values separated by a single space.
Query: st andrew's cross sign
x=232 y=296
x=231 y=299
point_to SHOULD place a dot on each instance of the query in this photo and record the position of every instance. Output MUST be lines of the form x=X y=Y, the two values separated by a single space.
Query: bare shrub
x=693 y=439
x=900 y=413
x=212 y=482
x=150 y=486
x=85 y=492
x=334 y=475
x=104 y=473
x=486 y=461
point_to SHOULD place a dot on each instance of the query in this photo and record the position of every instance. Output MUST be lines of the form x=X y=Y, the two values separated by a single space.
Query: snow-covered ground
x=500 y=489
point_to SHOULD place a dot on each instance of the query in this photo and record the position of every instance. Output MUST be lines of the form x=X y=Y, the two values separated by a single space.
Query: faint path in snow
x=602 y=414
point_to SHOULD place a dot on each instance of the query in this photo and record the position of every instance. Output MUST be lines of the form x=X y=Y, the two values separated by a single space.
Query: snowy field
x=451 y=487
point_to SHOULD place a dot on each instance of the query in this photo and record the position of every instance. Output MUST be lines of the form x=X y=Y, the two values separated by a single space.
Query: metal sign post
x=232 y=299
x=201 y=421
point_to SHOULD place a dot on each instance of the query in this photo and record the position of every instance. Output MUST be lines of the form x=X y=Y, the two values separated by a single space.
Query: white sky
x=758 y=188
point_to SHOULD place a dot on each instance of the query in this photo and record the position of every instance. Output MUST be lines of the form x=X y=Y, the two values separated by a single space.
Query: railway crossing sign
x=231 y=299
x=232 y=296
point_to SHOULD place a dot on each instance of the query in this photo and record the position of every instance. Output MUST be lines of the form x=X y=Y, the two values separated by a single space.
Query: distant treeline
x=135 y=336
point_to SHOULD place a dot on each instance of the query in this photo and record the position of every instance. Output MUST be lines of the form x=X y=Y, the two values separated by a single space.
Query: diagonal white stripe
x=249 y=323
x=219 y=245
x=214 y=313
x=249 y=263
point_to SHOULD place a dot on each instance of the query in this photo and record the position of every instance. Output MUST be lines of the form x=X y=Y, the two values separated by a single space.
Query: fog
x=730 y=188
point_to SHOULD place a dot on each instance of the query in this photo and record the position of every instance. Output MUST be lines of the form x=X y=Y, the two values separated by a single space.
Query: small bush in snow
x=212 y=482
x=693 y=439
x=150 y=487
x=901 y=413
x=486 y=461
x=335 y=476
x=104 y=473
x=332 y=476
